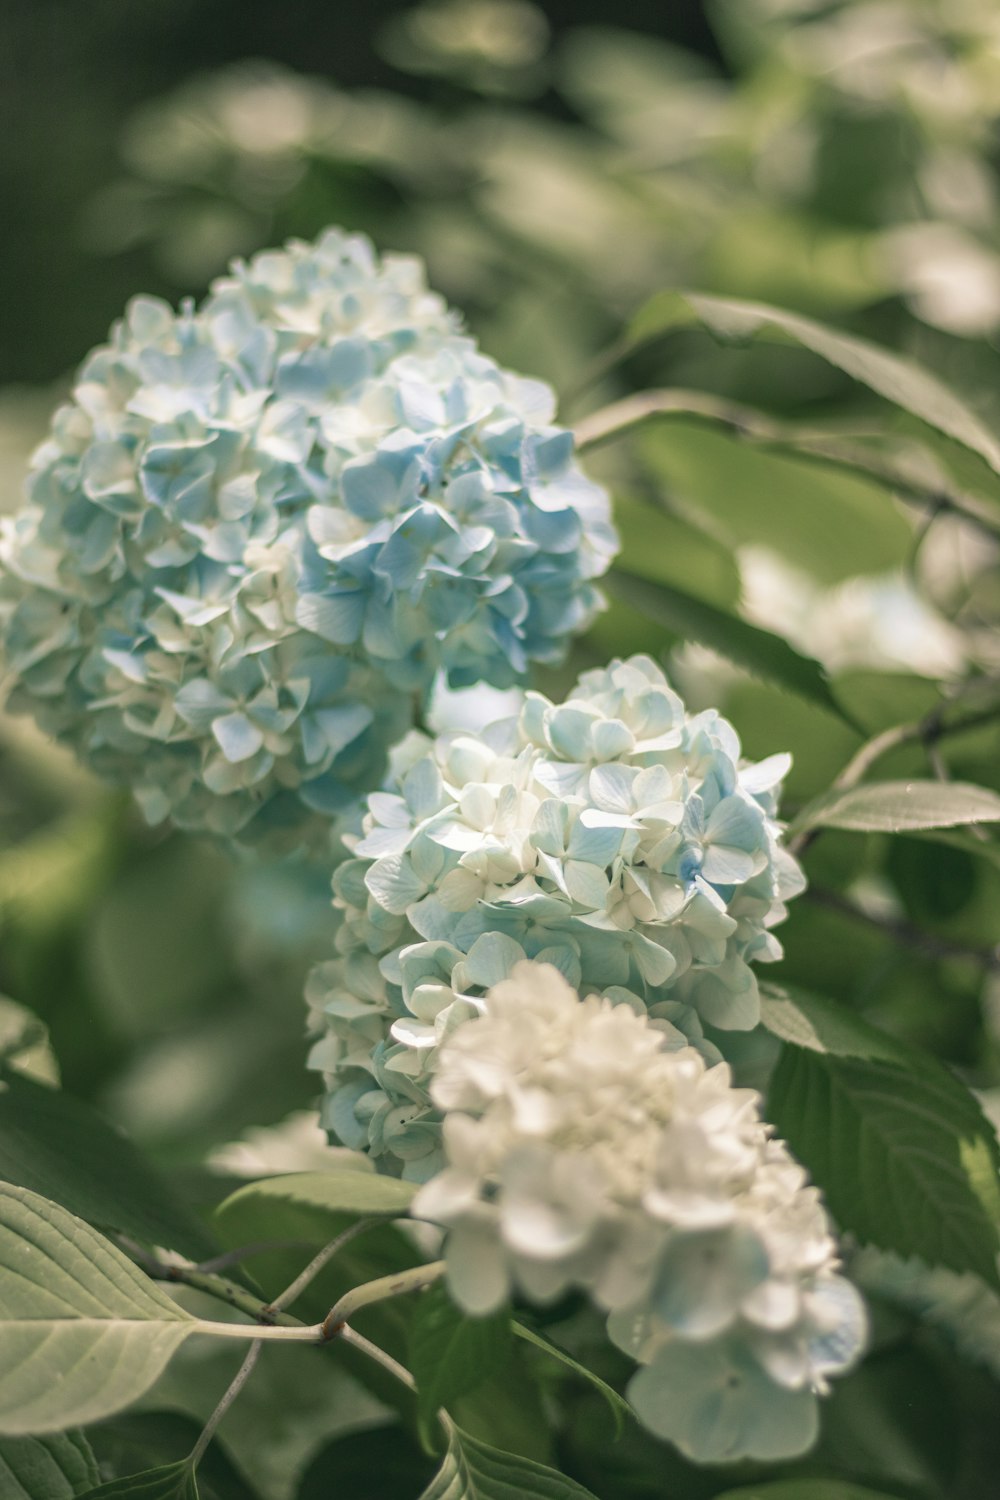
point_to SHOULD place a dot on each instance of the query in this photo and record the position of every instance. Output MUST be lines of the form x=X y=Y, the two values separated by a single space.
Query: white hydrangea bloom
x=583 y=1152
x=613 y=835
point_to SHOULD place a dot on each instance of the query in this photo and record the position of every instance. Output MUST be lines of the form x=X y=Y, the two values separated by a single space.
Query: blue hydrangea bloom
x=614 y=836
x=261 y=527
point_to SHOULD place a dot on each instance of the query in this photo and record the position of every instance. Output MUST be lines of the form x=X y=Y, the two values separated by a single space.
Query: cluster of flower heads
x=583 y=1152
x=614 y=836
x=261 y=527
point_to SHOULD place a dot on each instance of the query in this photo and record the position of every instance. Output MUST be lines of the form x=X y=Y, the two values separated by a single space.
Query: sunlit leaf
x=898 y=380
x=84 y=1333
x=900 y=806
x=338 y=1191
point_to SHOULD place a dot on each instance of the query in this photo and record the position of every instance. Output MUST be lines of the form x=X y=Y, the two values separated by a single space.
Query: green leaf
x=820 y=517
x=57 y=1467
x=757 y=651
x=902 y=1151
x=62 y=1149
x=382 y=1461
x=85 y=1332
x=474 y=1471
x=620 y=1409
x=451 y=1353
x=663 y=548
x=338 y=1191
x=806 y=1489
x=803 y=1019
x=900 y=806
x=897 y=380
x=172 y=1482
x=138 y=1440
x=24 y=1043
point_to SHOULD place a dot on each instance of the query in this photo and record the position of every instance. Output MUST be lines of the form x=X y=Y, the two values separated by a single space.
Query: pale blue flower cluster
x=614 y=836
x=261 y=527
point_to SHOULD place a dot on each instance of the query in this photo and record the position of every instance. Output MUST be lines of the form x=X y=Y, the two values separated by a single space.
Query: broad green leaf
x=829 y=522
x=666 y=549
x=474 y=1471
x=85 y=1332
x=451 y=1353
x=61 y=1148
x=135 y=1441
x=903 y=1154
x=382 y=1461
x=900 y=806
x=59 y=1466
x=806 y=1020
x=24 y=1043
x=806 y=1489
x=757 y=651
x=338 y=1191
x=620 y=1409
x=172 y=1482
x=897 y=380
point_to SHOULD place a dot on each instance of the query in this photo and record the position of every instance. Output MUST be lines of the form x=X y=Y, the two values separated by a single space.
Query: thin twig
x=378 y=1291
x=904 y=932
x=238 y=1382
x=761 y=431
x=358 y=1341
x=234 y=1257
x=927 y=731
x=291 y=1292
x=219 y=1287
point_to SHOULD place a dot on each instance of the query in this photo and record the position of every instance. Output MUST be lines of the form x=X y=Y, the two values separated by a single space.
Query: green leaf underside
x=904 y=1162
x=57 y=1467
x=172 y=1482
x=451 y=1353
x=620 y=1409
x=340 y=1191
x=901 y=807
x=85 y=1332
x=59 y=1147
x=757 y=651
x=897 y=380
x=474 y=1471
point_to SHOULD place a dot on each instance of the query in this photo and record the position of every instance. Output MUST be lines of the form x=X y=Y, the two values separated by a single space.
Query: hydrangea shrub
x=260 y=528
x=583 y=1151
x=614 y=835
